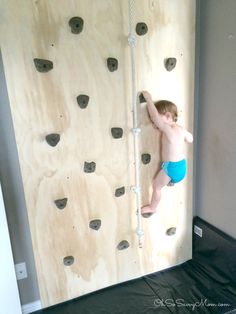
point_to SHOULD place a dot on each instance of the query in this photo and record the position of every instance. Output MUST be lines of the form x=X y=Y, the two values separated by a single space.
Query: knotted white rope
x=136 y=130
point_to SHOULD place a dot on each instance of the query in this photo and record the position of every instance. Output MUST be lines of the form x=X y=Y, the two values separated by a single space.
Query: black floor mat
x=204 y=284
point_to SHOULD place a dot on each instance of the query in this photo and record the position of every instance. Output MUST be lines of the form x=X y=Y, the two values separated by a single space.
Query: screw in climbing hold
x=146 y=158
x=117 y=132
x=68 y=260
x=120 y=191
x=61 y=203
x=52 y=139
x=171 y=231
x=123 y=245
x=89 y=167
x=43 y=65
x=76 y=24
x=141 y=28
x=83 y=101
x=95 y=224
x=112 y=64
x=170 y=63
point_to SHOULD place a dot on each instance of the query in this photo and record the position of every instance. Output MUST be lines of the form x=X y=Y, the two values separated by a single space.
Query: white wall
x=9 y=296
x=13 y=194
x=216 y=157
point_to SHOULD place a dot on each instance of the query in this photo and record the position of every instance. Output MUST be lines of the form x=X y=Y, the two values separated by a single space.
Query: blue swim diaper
x=176 y=170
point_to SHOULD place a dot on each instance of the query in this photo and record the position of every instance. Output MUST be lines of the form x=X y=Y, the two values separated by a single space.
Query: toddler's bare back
x=173 y=143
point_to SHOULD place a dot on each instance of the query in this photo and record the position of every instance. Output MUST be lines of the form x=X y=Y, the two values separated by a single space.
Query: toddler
x=164 y=116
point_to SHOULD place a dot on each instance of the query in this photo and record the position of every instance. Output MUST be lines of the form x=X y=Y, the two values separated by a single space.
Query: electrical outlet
x=21 y=271
x=198 y=231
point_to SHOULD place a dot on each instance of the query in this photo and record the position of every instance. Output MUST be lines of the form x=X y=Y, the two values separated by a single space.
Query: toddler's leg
x=159 y=182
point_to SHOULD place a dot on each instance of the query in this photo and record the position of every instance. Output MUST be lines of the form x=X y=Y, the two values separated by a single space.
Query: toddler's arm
x=154 y=115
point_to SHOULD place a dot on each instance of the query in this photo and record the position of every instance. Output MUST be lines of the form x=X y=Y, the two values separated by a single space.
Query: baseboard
x=31 y=307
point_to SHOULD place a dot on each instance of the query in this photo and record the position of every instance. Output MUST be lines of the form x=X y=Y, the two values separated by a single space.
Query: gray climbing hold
x=68 y=260
x=52 y=139
x=120 y=191
x=83 y=101
x=95 y=224
x=112 y=64
x=146 y=158
x=117 y=132
x=170 y=183
x=76 y=24
x=141 y=29
x=61 y=203
x=141 y=98
x=170 y=63
x=171 y=231
x=123 y=245
x=43 y=65
x=89 y=167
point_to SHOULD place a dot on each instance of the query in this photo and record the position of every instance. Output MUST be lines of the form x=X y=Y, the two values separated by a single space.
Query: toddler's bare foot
x=147 y=211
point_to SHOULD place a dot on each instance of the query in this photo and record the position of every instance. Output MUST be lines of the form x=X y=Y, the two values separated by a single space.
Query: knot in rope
x=132 y=40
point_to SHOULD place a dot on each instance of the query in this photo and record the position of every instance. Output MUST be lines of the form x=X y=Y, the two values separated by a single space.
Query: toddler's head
x=164 y=107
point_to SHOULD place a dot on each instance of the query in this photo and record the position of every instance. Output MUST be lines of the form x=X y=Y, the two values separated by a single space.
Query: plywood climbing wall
x=77 y=167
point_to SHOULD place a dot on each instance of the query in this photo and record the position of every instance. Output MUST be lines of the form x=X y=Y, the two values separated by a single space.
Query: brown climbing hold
x=170 y=63
x=123 y=245
x=120 y=191
x=43 y=65
x=146 y=158
x=141 y=98
x=68 y=260
x=61 y=203
x=76 y=24
x=52 y=139
x=83 y=101
x=117 y=132
x=171 y=231
x=89 y=167
x=112 y=64
x=141 y=29
x=95 y=224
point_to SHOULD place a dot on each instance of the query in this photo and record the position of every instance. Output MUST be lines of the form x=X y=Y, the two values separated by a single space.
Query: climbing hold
x=43 y=65
x=170 y=64
x=117 y=132
x=123 y=245
x=146 y=158
x=76 y=24
x=95 y=224
x=68 y=260
x=82 y=101
x=61 y=203
x=112 y=64
x=170 y=183
x=120 y=191
x=141 y=29
x=141 y=98
x=89 y=167
x=171 y=231
x=53 y=139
